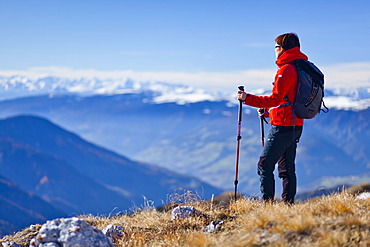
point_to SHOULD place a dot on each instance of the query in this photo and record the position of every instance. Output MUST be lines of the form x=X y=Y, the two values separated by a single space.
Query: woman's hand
x=242 y=95
x=263 y=112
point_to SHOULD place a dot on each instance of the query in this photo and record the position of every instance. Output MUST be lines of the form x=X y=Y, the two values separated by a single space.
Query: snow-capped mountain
x=354 y=93
x=20 y=86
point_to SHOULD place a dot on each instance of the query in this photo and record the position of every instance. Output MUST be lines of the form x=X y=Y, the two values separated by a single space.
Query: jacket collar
x=290 y=55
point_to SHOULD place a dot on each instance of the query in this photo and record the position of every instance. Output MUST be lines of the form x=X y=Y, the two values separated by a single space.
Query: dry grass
x=336 y=220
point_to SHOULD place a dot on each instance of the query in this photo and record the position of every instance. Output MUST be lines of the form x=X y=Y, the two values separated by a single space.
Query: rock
x=50 y=245
x=358 y=189
x=184 y=211
x=214 y=226
x=114 y=231
x=70 y=232
x=33 y=227
x=363 y=196
x=10 y=244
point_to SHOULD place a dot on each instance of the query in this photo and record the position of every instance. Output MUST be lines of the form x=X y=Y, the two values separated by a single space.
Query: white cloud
x=344 y=75
x=347 y=75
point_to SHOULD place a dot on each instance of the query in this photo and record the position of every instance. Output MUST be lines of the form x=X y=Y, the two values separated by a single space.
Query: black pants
x=280 y=147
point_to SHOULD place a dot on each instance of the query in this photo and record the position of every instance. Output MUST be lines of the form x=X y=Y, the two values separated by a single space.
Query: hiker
x=286 y=128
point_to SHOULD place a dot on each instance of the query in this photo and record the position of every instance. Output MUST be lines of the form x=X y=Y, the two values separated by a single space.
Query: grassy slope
x=336 y=220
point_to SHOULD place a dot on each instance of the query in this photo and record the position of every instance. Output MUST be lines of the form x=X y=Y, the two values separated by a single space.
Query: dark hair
x=288 y=41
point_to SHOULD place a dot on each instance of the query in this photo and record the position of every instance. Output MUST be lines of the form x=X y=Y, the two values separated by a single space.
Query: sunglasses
x=277 y=46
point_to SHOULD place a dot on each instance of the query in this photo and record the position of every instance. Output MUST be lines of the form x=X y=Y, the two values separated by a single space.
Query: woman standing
x=286 y=128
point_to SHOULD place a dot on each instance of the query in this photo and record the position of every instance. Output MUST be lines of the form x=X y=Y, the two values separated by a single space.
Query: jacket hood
x=290 y=55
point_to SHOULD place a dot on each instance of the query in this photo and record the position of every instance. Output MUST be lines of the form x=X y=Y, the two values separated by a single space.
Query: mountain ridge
x=114 y=176
x=21 y=208
x=53 y=179
x=194 y=135
x=198 y=139
x=17 y=86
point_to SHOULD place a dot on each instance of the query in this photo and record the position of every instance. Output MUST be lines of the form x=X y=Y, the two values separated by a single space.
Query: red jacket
x=285 y=83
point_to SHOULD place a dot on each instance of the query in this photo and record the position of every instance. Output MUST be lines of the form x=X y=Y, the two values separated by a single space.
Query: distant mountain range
x=156 y=131
x=72 y=175
x=17 y=86
x=189 y=130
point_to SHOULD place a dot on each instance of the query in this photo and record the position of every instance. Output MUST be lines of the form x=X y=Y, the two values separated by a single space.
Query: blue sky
x=209 y=43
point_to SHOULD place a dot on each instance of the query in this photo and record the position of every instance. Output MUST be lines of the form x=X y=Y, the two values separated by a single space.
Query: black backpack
x=310 y=90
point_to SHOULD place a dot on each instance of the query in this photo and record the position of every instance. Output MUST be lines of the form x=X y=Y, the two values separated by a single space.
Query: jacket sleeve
x=283 y=79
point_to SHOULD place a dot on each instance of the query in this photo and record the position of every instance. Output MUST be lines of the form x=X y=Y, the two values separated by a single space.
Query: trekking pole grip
x=241 y=88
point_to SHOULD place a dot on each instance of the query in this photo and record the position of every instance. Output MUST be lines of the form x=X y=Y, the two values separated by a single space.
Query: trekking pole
x=241 y=88
x=263 y=119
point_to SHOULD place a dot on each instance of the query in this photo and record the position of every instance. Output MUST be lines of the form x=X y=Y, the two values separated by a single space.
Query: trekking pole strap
x=264 y=119
x=326 y=108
